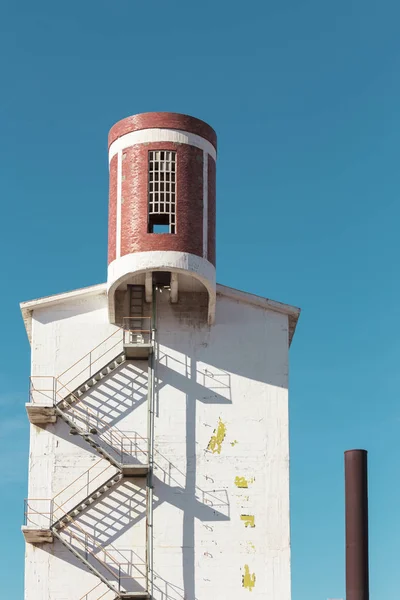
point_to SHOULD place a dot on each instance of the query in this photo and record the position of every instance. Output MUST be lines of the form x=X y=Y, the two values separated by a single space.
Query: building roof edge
x=292 y=312
x=30 y=305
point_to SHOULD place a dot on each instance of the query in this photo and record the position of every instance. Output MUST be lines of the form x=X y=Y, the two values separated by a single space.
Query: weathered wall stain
x=248 y=580
x=215 y=443
x=248 y=520
x=248 y=547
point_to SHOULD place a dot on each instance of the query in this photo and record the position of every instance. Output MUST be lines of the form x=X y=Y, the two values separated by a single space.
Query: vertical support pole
x=356 y=493
x=150 y=449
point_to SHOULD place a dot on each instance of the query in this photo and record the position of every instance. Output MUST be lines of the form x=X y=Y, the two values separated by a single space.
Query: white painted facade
x=221 y=456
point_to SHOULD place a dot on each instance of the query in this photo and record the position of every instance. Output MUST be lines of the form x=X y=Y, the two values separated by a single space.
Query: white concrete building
x=159 y=456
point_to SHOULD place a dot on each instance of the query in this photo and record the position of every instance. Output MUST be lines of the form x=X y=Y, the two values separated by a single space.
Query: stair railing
x=42 y=390
x=61 y=503
x=135 y=335
x=118 y=570
x=41 y=517
x=89 y=363
x=45 y=514
x=121 y=445
x=113 y=437
x=87 y=551
x=90 y=596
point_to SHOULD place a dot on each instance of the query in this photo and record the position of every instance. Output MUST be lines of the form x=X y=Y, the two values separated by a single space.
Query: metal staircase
x=83 y=505
x=110 y=444
x=94 y=379
x=121 y=452
x=109 y=565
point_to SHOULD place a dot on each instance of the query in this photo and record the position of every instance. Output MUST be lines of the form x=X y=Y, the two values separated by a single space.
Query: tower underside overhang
x=188 y=272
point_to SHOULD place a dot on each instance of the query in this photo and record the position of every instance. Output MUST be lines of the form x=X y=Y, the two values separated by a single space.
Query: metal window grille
x=162 y=195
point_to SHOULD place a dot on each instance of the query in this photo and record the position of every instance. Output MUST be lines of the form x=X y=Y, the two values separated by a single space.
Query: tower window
x=162 y=192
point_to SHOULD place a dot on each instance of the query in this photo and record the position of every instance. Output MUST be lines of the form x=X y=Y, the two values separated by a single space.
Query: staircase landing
x=136 y=470
x=35 y=535
x=39 y=414
x=137 y=350
x=137 y=595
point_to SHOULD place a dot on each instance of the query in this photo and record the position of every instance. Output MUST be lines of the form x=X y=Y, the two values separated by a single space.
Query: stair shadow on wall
x=212 y=386
x=124 y=506
x=198 y=381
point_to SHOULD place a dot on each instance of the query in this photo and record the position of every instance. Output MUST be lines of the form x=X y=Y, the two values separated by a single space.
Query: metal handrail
x=95 y=543
x=86 y=596
x=109 y=466
x=52 y=500
x=75 y=480
x=28 y=510
x=120 y=436
x=106 y=553
x=89 y=366
x=87 y=551
x=113 y=433
x=90 y=352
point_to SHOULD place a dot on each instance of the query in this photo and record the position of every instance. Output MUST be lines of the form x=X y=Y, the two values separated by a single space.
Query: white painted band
x=205 y=204
x=121 y=269
x=118 y=209
x=145 y=136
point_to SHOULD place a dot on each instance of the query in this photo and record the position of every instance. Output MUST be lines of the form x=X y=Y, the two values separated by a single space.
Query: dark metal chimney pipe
x=356 y=492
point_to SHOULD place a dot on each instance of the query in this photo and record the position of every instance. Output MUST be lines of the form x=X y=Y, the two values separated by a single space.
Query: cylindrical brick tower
x=162 y=205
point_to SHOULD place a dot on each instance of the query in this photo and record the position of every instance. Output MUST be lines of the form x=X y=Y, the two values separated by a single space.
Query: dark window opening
x=161 y=192
x=159 y=223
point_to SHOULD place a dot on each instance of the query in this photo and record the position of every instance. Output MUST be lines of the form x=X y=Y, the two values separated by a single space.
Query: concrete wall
x=221 y=476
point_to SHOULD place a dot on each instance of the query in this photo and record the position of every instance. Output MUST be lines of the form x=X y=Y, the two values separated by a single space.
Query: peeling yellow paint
x=248 y=520
x=215 y=443
x=252 y=546
x=248 y=581
x=234 y=443
x=241 y=482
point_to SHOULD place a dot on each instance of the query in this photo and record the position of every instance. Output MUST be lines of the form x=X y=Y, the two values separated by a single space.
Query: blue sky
x=305 y=98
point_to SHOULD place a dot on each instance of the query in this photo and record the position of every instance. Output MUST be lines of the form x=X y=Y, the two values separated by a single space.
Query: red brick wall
x=189 y=200
x=211 y=210
x=112 y=210
x=163 y=120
